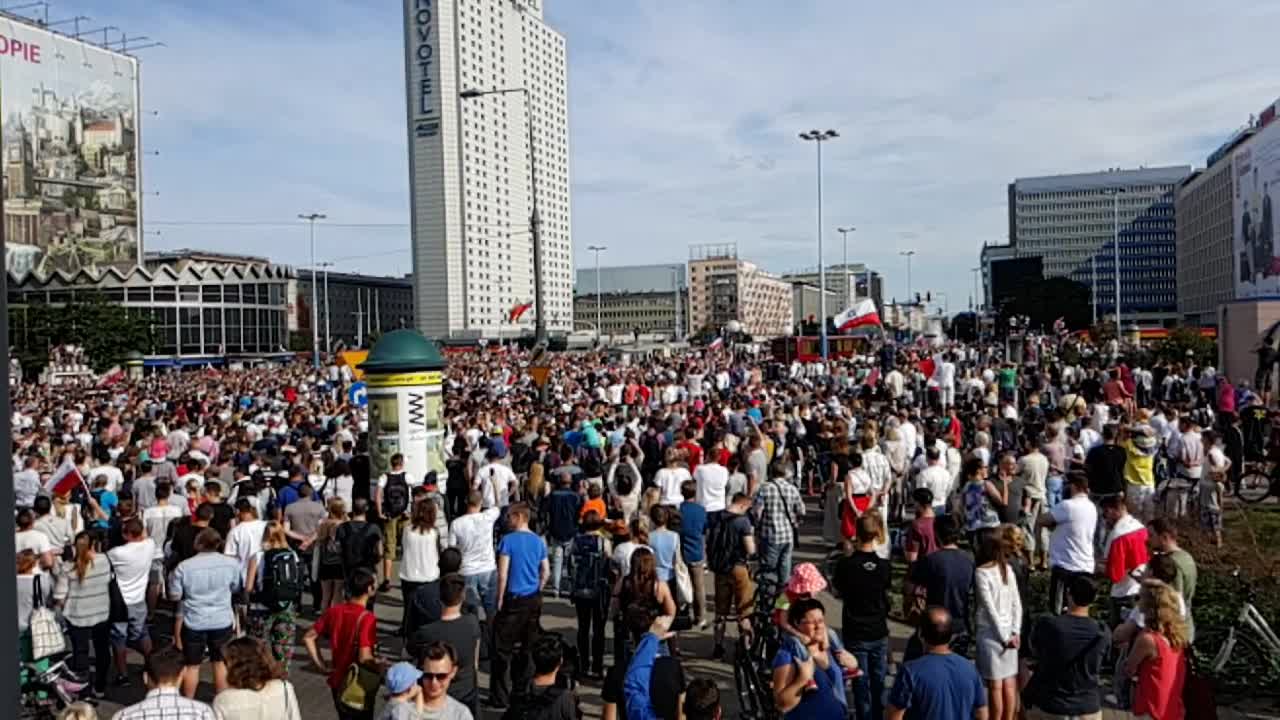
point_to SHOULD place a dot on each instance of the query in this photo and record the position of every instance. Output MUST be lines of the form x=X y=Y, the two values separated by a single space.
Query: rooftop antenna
x=64 y=21
x=143 y=47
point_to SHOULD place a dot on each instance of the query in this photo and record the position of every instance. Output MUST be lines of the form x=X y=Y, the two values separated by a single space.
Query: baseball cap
x=401 y=677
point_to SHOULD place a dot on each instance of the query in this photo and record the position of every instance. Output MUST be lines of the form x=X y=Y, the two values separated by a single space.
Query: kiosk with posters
x=404 y=376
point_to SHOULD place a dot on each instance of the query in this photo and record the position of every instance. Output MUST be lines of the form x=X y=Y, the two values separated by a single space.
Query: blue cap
x=401 y=677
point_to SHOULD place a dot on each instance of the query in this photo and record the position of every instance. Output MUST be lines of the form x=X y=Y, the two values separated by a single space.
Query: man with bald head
x=940 y=685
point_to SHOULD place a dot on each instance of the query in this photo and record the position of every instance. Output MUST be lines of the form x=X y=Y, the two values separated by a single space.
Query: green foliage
x=1182 y=340
x=106 y=331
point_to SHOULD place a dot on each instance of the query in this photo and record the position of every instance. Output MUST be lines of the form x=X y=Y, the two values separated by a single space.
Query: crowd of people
x=201 y=521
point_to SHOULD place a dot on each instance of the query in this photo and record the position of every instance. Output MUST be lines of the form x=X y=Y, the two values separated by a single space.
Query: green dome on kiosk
x=403 y=351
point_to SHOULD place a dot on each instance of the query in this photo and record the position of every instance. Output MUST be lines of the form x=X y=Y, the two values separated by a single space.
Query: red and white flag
x=716 y=343
x=518 y=310
x=65 y=479
x=111 y=377
x=861 y=314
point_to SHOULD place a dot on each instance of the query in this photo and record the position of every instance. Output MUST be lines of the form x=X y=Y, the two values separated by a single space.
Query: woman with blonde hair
x=272 y=608
x=256 y=686
x=1156 y=661
x=328 y=555
x=68 y=511
x=83 y=592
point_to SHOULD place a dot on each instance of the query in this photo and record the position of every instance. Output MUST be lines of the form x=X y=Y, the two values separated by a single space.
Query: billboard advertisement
x=70 y=150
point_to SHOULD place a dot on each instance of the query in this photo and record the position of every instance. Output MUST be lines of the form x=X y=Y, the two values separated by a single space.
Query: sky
x=684 y=117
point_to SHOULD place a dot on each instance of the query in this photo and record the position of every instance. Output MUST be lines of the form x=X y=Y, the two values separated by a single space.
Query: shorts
x=735 y=593
x=1211 y=519
x=391 y=529
x=196 y=642
x=132 y=631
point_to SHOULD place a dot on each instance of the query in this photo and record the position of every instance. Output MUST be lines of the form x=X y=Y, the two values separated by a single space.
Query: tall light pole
x=597 y=249
x=328 y=341
x=535 y=221
x=848 y=293
x=1093 y=286
x=315 y=308
x=818 y=137
x=907 y=254
x=1115 y=194
x=977 y=302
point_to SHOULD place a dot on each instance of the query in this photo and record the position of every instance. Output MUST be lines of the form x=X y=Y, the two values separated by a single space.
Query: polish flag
x=518 y=310
x=65 y=479
x=111 y=377
x=862 y=313
x=716 y=343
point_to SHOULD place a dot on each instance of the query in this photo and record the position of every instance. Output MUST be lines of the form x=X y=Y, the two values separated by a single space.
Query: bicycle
x=1257 y=484
x=1242 y=658
x=752 y=660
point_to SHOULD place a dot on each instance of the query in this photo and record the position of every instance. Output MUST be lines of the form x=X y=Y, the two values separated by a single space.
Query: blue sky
x=684 y=117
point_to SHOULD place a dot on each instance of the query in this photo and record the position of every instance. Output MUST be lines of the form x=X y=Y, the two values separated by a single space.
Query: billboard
x=70 y=151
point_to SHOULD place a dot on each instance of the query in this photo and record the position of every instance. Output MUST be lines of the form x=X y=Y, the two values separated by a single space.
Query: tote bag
x=46 y=634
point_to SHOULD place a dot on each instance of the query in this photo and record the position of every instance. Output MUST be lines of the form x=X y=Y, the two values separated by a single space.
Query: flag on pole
x=862 y=313
x=518 y=310
x=716 y=343
x=65 y=479
x=111 y=377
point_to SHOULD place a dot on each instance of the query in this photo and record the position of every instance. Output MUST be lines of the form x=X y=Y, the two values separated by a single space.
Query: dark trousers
x=312 y=583
x=868 y=690
x=99 y=637
x=407 y=590
x=1058 y=581
x=514 y=629
x=591 y=615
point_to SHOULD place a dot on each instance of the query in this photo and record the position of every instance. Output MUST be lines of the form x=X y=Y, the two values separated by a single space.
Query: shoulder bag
x=46 y=634
x=360 y=685
x=119 y=611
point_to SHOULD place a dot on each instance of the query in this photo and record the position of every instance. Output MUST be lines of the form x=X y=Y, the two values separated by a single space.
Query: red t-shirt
x=695 y=453
x=338 y=624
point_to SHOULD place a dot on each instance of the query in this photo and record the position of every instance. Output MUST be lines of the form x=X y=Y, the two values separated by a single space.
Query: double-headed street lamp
x=315 y=306
x=535 y=221
x=597 y=249
x=907 y=254
x=848 y=293
x=818 y=137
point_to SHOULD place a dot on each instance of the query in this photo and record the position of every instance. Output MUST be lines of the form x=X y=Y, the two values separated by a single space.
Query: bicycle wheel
x=744 y=680
x=1254 y=487
x=1242 y=670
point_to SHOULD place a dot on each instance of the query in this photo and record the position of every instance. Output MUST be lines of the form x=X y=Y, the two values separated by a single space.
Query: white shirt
x=494 y=483
x=275 y=701
x=244 y=541
x=158 y=518
x=712 y=479
x=132 y=563
x=342 y=487
x=668 y=481
x=907 y=432
x=472 y=534
x=115 y=478
x=938 y=480
x=622 y=556
x=33 y=540
x=421 y=561
x=1071 y=544
x=895 y=383
x=999 y=605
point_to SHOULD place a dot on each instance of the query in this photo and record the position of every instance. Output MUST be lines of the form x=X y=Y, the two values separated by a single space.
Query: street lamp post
x=848 y=292
x=328 y=340
x=1093 y=286
x=597 y=249
x=907 y=254
x=535 y=220
x=977 y=302
x=315 y=308
x=1115 y=194
x=818 y=137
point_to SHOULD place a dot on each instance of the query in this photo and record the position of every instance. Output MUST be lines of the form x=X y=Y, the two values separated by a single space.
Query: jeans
x=1053 y=491
x=482 y=591
x=514 y=629
x=99 y=637
x=868 y=690
x=591 y=614
x=559 y=551
x=775 y=559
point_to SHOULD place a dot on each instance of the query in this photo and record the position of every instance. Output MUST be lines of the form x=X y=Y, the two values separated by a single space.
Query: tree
x=1045 y=302
x=1184 y=341
x=106 y=331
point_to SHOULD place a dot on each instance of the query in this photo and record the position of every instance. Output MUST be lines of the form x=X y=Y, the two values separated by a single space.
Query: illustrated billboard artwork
x=70 y=152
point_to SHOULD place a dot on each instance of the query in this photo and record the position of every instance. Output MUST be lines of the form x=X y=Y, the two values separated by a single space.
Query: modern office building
x=845 y=283
x=651 y=299
x=1203 y=204
x=205 y=308
x=472 y=164
x=1069 y=221
x=806 y=302
x=724 y=288
x=351 y=307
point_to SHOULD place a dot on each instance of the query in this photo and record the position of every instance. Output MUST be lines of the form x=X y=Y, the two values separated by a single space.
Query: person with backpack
x=563 y=506
x=732 y=542
x=274 y=581
x=623 y=480
x=545 y=699
x=361 y=543
x=392 y=500
x=589 y=566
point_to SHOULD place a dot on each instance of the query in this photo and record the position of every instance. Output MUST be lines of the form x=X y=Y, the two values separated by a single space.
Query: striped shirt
x=85 y=602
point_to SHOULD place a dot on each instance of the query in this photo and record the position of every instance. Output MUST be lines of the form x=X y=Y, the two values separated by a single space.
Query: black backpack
x=281 y=579
x=395 y=496
x=331 y=551
x=724 y=549
x=522 y=457
x=589 y=568
x=359 y=541
x=624 y=479
x=535 y=704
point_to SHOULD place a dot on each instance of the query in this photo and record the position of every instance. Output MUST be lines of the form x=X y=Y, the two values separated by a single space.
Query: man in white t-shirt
x=711 y=479
x=245 y=539
x=132 y=563
x=1073 y=522
x=472 y=534
x=29 y=538
x=495 y=481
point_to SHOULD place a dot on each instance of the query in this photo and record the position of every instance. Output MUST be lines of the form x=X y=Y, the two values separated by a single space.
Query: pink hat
x=806 y=580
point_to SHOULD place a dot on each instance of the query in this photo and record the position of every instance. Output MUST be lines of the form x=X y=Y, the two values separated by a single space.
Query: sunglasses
x=438 y=677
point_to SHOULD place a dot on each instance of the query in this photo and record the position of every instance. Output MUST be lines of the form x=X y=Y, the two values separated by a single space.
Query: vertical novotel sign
x=422 y=46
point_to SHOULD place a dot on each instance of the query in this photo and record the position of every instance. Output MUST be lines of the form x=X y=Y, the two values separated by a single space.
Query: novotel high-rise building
x=469 y=165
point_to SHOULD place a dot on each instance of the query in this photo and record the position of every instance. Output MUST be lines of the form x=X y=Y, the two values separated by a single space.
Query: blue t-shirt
x=938 y=687
x=108 y=501
x=828 y=701
x=693 y=528
x=663 y=543
x=526 y=552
